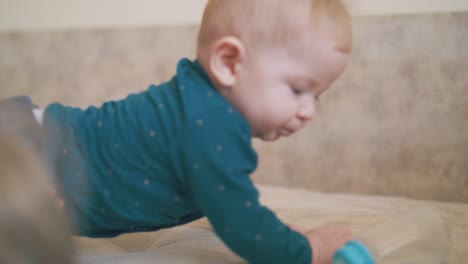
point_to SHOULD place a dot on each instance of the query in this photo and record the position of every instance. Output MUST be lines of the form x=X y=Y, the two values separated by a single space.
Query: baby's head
x=32 y=227
x=272 y=58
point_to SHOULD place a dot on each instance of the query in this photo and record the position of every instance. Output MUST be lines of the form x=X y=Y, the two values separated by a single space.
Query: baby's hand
x=325 y=241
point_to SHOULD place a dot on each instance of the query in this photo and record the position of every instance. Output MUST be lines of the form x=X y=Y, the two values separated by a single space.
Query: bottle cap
x=354 y=252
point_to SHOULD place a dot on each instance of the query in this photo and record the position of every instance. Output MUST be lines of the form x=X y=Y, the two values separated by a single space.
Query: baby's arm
x=213 y=162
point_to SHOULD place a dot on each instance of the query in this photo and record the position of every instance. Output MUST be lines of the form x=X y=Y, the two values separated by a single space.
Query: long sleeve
x=213 y=158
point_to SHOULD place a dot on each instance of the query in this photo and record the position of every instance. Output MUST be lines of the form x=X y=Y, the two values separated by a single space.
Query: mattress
x=196 y=242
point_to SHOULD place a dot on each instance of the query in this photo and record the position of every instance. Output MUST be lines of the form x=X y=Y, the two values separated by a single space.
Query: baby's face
x=276 y=88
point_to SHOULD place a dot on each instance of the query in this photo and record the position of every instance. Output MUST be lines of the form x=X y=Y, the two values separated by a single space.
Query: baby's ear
x=225 y=55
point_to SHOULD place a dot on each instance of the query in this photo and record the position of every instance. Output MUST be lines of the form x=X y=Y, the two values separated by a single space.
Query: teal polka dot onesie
x=164 y=157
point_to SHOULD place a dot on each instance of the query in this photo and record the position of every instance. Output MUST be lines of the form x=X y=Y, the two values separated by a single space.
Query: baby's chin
x=269 y=137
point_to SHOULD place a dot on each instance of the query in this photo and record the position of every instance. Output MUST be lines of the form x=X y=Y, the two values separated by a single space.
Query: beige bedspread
x=196 y=243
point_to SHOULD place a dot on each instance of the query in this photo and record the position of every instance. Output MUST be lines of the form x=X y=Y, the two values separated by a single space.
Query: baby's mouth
x=285 y=132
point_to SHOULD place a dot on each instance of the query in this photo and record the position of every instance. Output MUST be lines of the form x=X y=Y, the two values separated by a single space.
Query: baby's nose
x=307 y=111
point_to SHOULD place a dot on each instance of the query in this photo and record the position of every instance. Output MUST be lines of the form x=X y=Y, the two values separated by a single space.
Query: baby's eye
x=297 y=91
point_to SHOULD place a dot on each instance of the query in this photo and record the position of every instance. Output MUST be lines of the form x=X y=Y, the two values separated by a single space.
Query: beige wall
x=68 y=14
x=395 y=7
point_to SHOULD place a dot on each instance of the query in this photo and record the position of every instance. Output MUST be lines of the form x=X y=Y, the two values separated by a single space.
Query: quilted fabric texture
x=196 y=243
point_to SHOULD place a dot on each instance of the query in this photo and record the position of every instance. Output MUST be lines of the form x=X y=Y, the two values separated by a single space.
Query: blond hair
x=32 y=227
x=273 y=22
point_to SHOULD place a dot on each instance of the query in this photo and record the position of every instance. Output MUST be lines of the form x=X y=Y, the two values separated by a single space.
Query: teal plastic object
x=354 y=252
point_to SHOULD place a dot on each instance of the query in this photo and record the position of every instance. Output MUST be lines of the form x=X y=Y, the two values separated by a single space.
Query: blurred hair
x=275 y=22
x=33 y=229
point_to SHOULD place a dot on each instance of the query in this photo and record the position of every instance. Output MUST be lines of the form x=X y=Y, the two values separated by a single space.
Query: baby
x=182 y=150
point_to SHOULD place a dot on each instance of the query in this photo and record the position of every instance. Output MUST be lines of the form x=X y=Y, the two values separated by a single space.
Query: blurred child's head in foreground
x=33 y=229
